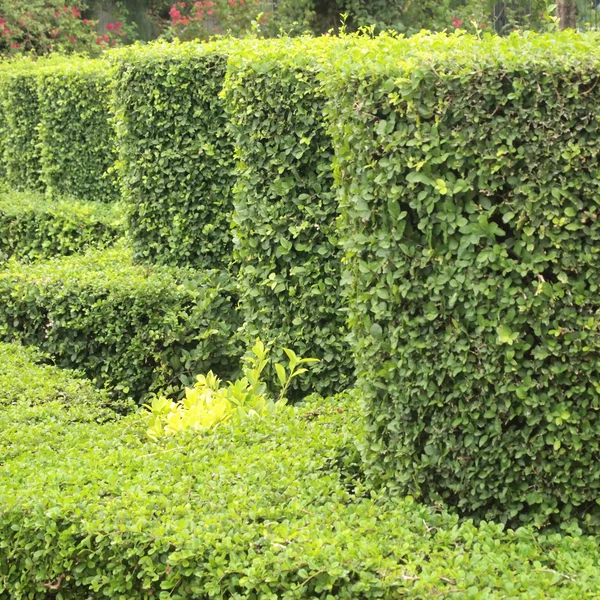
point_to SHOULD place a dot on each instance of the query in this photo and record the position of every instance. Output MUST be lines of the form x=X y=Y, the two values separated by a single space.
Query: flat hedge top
x=257 y=512
x=162 y=51
x=31 y=66
x=287 y=52
x=18 y=204
x=112 y=268
x=460 y=52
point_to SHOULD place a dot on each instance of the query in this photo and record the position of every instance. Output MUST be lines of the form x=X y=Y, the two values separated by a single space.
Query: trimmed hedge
x=77 y=140
x=30 y=390
x=175 y=154
x=32 y=227
x=134 y=329
x=469 y=190
x=2 y=140
x=285 y=207
x=20 y=135
x=89 y=512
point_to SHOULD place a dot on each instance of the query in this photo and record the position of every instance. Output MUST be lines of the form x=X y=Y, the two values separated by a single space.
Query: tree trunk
x=567 y=14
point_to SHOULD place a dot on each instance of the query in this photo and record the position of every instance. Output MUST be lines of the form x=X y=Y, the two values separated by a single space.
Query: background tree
x=566 y=11
x=43 y=26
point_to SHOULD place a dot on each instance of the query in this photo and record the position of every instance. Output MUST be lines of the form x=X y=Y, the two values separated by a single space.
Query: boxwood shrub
x=32 y=227
x=285 y=207
x=31 y=388
x=134 y=329
x=2 y=140
x=469 y=190
x=175 y=153
x=20 y=132
x=77 y=140
x=93 y=511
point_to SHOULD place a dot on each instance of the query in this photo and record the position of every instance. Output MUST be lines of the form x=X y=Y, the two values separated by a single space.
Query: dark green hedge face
x=469 y=181
x=56 y=134
x=77 y=139
x=286 y=241
x=20 y=135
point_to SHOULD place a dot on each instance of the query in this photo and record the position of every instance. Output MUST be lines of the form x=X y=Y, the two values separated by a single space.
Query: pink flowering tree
x=201 y=19
x=44 y=26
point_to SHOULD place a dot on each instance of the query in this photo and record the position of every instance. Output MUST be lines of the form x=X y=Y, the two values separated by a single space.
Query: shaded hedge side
x=286 y=241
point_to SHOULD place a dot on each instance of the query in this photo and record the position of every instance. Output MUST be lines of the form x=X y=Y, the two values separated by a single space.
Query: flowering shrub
x=115 y=34
x=204 y=18
x=44 y=26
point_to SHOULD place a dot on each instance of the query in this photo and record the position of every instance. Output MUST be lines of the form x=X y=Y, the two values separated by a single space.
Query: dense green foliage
x=32 y=227
x=469 y=193
x=265 y=510
x=286 y=208
x=134 y=329
x=175 y=154
x=76 y=138
x=33 y=391
x=462 y=245
x=20 y=136
x=56 y=134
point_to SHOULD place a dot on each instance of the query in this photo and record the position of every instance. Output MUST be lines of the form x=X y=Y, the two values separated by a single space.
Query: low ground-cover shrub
x=77 y=141
x=175 y=153
x=27 y=380
x=134 y=329
x=39 y=401
x=285 y=206
x=469 y=193
x=248 y=512
x=32 y=227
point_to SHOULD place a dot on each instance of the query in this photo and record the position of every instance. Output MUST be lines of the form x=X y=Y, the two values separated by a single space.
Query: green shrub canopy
x=261 y=511
x=32 y=227
x=135 y=329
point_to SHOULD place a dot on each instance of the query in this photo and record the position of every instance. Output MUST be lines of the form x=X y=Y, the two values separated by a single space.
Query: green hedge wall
x=259 y=511
x=469 y=188
x=285 y=207
x=77 y=139
x=32 y=227
x=2 y=139
x=20 y=109
x=175 y=154
x=134 y=329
